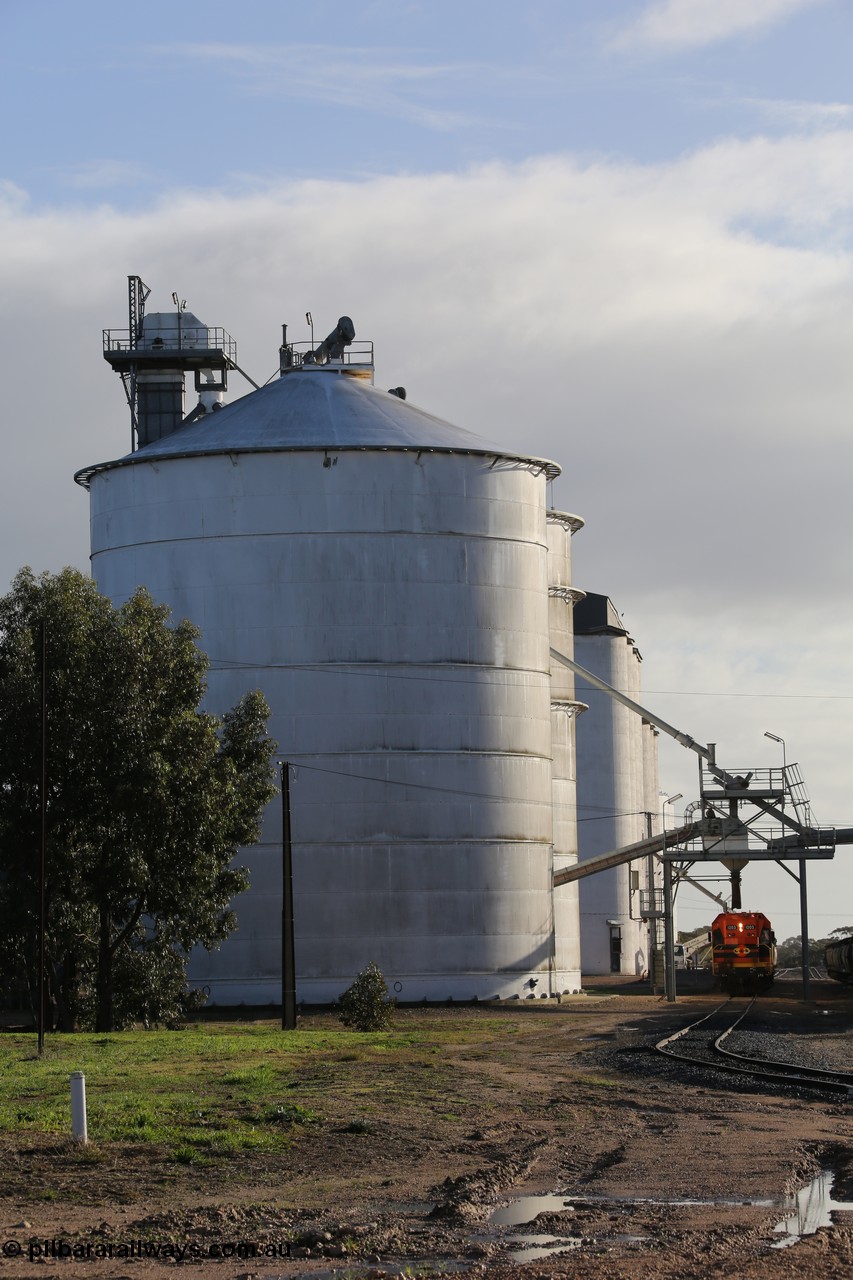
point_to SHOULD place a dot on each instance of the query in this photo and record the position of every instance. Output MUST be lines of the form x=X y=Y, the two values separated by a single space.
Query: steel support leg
x=804 y=928
x=669 y=940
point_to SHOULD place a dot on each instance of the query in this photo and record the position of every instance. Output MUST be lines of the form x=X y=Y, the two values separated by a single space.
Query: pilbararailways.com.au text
x=58 y=1247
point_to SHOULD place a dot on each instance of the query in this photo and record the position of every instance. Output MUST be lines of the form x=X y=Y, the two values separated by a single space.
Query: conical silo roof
x=315 y=409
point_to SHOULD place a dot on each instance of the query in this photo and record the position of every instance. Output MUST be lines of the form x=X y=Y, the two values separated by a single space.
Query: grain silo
x=562 y=598
x=617 y=795
x=384 y=578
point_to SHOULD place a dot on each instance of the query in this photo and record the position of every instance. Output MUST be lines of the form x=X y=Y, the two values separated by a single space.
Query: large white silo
x=383 y=577
x=617 y=798
x=565 y=708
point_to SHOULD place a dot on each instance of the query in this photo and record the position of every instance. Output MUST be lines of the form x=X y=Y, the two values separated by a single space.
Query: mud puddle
x=533 y=1248
x=522 y=1210
x=413 y=1270
x=813 y=1209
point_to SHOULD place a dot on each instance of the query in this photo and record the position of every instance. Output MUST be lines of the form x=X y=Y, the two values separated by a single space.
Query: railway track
x=742 y=1064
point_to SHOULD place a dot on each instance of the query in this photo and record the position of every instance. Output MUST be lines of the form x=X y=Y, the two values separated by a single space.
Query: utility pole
x=651 y=907
x=288 y=958
x=668 y=928
x=42 y=644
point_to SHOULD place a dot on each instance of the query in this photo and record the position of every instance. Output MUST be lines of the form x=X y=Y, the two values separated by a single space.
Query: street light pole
x=288 y=958
x=668 y=933
x=42 y=961
x=804 y=894
x=651 y=907
x=775 y=738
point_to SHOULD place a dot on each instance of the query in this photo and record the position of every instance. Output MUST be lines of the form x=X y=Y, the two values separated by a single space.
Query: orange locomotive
x=743 y=948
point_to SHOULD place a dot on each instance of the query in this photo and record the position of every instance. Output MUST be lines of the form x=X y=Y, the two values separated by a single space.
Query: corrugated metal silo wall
x=612 y=802
x=394 y=609
x=564 y=709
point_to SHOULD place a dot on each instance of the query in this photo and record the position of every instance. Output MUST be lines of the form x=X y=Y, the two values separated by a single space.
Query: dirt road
x=649 y=1176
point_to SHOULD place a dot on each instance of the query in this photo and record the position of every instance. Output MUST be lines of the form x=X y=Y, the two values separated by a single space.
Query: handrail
x=296 y=356
x=190 y=338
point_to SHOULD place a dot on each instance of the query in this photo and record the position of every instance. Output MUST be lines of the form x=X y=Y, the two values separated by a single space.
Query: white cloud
x=13 y=199
x=384 y=81
x=669 y=25
x=105 y=174
x=797 y=114
x=689 y=373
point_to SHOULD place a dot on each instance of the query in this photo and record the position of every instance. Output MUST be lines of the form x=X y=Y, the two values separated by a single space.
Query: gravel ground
x=772 y=1035
x=809 y=1050
x=660 y=1174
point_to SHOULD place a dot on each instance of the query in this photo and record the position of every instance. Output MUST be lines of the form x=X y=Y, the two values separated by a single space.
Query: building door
x=615 y=948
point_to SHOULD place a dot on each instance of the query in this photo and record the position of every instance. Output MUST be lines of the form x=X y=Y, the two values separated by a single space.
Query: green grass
x=219 y=1089
x=599 y=1082
x=202 y=1093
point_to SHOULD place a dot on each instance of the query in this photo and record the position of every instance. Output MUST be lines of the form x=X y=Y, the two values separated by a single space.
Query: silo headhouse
x=393 y=585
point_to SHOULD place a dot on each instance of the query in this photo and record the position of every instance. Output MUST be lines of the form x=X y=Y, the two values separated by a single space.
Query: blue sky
x=616 y=233
x=126 y=103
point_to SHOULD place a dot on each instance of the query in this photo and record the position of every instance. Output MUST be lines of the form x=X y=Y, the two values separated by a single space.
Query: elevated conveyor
x=720 y=835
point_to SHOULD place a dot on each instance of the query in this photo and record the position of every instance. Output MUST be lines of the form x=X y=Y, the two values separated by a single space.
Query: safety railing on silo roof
x=358 y=353
x=188 y=338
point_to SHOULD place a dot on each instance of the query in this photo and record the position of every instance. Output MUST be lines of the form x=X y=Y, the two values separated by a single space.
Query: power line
x=708 y=693
x=221 y=664
x=702 y=693
x=630 y=813
x=454 y=791
x=217 y=664
x=227 y=664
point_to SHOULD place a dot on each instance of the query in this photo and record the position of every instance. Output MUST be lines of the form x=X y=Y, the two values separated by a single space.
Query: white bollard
x=78 y=1107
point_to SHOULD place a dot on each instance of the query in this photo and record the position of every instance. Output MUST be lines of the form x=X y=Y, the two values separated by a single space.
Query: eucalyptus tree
x=148 y=799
